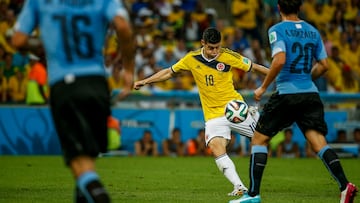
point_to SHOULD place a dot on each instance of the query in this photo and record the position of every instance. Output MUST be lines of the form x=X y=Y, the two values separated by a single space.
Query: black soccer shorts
x=281 y=111
x=80 y=110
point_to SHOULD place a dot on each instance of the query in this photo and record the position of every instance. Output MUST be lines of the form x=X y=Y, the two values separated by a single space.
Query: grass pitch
x=43 y=179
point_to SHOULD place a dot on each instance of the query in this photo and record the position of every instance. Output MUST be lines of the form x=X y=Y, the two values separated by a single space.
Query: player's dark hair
x=211 y=35
x=290 y=6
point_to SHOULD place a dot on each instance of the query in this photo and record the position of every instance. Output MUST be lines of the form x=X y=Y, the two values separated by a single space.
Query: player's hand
x=139 y=84
x=258 y=93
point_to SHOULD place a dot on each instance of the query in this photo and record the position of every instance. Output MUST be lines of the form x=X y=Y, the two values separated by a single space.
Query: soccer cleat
x=247 y=199
x=238 y=190
x=348 y=195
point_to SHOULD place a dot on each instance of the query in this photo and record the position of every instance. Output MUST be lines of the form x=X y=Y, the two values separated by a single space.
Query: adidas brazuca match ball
x=236 y=111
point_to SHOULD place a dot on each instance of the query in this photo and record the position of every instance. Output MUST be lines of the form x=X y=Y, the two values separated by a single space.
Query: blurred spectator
x=335 y=64
x=224 y=27
x=137 y=5
x=307 y=8
x=241 y=43
x=180 y=49
x=211 y=17
x=114 y=80
x=146 y=146
x=174 y=146
x=234 y=147
x=197 y=147
x=228 y=42
x=351 y=10
x=189 y=5
x=200 y=16
x=244 y=14
x=37 y=89
x=319 y=17
x=356 y=135
x=288 y=148
x=151 y=67
x=8 y=22
x=17 y=86
x=20 y=59
x=144 y=25
x=168 y=59
x=114 y=133
x=191 y=29
x=255 y=46
x=142 y=57
x=158 y=49
x=347 y=83
x=352 y=56
x=176 y=18
x=8 y=67
x=341 y=136
x=3 y=86
x=332 y=32
x=327 y=43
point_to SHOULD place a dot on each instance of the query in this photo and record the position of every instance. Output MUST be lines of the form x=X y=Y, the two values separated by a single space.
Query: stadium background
x=165 y=31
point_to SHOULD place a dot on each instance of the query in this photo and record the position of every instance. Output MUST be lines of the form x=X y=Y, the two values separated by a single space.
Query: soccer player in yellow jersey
x=211 y=68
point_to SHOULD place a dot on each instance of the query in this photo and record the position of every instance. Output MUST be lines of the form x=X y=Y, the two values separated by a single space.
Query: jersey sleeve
x=181 y=64
x=320 y=52
x=276 y=42
x=238 y=61
x=116 y=8
x=28 y=18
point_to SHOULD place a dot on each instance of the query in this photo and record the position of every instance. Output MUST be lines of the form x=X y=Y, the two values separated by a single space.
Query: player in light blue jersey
x=299 y=57
x=73 y=33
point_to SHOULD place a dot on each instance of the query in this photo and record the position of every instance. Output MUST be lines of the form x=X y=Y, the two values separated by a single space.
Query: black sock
x=332 y=163
x=257 y=166
x=79 y=196
x=97 y=192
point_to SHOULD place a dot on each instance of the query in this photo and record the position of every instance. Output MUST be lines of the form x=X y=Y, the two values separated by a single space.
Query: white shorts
x=221 y=127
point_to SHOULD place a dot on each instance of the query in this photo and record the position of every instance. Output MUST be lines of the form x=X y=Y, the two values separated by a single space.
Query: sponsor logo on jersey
x=272 y=37
x=220 y=66
x=246 y=60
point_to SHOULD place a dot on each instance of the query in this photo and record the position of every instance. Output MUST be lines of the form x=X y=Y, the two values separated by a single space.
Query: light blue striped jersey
x=302 y=44
x=73 y=33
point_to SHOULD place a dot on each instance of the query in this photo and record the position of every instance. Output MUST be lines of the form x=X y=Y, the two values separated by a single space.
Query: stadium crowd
x=167 y=29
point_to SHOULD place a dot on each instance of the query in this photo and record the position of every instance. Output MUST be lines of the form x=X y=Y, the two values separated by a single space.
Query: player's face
x=211 y=50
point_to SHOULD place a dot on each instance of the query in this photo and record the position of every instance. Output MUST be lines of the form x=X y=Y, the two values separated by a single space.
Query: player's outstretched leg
x=227 y=167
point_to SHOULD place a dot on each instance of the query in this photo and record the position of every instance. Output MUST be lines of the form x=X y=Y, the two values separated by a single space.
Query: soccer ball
x=236 y=111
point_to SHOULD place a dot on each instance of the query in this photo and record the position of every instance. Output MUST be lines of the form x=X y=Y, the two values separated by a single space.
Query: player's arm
x=319 y=69
x=162 y=75
x=260 y=68
x=275 y=67
x=127 y=51
x=25 y=24
x=19 y=39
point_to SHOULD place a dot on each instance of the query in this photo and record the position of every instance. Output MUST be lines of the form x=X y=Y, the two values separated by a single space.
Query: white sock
x=227 y=167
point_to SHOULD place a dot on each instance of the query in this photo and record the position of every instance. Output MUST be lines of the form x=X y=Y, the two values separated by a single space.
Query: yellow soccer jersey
x=214 y=78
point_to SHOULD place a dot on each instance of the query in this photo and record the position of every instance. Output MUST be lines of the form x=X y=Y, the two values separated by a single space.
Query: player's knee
x=217 y=146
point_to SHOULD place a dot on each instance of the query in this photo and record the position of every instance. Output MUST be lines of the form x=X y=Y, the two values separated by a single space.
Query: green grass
x=163 y=179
